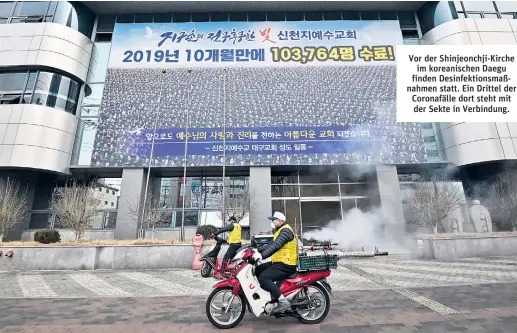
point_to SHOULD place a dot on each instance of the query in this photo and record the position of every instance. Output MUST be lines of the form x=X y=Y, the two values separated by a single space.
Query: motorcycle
x=210 y=258
x=308 y=293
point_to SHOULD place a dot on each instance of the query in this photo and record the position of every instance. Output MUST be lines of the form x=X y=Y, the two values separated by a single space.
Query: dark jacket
x=228 y=228
x=283 y=238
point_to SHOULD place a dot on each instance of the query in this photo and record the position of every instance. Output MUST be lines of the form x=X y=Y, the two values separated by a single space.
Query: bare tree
x=431 y=201
x=14 y=204
x=75 y=205
x=502 y=194
x=238 y=202
x=152 y=213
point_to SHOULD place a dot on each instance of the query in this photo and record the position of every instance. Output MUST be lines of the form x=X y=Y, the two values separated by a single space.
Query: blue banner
x=268 y=140
x=252 y=44
x=315 y=92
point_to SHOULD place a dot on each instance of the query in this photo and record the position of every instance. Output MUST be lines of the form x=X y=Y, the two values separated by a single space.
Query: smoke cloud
x=362 y=230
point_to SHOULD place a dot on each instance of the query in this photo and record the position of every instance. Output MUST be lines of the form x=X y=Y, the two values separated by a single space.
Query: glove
x=257 y=256
x=212 y=236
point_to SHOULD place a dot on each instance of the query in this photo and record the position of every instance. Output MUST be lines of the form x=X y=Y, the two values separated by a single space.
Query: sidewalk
x=352 y=274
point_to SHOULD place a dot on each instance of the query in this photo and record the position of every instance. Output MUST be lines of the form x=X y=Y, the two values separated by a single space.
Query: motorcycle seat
x=293 y=276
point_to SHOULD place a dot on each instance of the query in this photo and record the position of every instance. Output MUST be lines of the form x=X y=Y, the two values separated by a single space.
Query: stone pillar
x=131 y=191
x=391 y=200
x=260 y=187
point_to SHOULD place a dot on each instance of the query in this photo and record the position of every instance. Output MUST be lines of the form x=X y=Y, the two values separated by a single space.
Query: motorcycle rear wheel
x=206 y=269
x=323 y=300
x=235 y=317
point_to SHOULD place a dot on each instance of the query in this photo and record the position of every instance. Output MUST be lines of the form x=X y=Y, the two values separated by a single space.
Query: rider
x=234 y=230
x=284 y=256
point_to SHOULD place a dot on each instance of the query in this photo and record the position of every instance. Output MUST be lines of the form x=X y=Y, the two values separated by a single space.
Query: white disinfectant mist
x=361 y=230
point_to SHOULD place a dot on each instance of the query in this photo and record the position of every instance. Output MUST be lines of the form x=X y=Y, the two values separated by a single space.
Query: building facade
x=69 y=109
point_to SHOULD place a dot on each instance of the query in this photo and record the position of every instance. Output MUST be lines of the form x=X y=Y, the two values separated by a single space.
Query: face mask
x=273 y=225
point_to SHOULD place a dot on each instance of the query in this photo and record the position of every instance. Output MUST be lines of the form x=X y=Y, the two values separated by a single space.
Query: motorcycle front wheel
x=225 y=310
x=206 y=269
x=319 y=305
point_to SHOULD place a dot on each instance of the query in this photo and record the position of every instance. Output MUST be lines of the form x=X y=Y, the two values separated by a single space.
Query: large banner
x=254 y=44
x=258 y=93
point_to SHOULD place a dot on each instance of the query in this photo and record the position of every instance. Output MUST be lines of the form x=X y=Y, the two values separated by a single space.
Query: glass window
x=432 y=153
x=351 y=16
x=191 y=219
x=93 y=94
x=479 y=6
x=106 y=23
x=200 y=17
x=411 y=42
x=294 y=16
x=257 y=16
x=144 y=18
x=366 y=16
x=319 y=190
x=319 y=175
x=3 y=20
x=407 y=19
x=52 y=7
x=30 y=8
x=313 y=16
x=457 y=5
x=163 y=18
x=181 y=17
x=87 y=131
x=429 y=139
x=507 y=16
x=284 y=178
x=238 y=17
x=219 y=17
x=474 y=15
x=506 y=6
x=126 y=18
x=284 y=191
x=89 y=111
x=99 y=66
x=360 y=190
x=103 y=38
x=56 y=91
x=333 y=15
x=388 y=15
x=462 y=15
x=12 y=82
x=410 y=34
x=276 y=16
x=6 y=8
x=30 y=87
x=490 y=15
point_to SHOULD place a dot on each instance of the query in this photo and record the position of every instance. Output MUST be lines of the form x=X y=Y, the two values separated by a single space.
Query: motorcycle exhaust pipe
x=300 y=305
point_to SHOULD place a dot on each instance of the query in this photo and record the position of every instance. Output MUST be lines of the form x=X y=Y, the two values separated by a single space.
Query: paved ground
x=374 y=295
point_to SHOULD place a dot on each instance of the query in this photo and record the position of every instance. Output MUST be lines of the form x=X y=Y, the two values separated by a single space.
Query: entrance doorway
x=318 y=214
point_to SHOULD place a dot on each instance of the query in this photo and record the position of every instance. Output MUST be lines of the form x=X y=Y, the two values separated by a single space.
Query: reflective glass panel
x=99 y=66
x=30 y=8
x=93 y=96
x=506 y=6
x=479 y=6
x=6 y=8
x=56 y=91
x=12 y=82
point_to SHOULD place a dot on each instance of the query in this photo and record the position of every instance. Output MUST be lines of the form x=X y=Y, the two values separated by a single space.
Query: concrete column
x=391 y=199
x=260 y=187
x=131 y=191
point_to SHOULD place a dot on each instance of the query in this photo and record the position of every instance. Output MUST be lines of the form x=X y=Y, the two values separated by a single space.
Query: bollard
x=197 y=240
